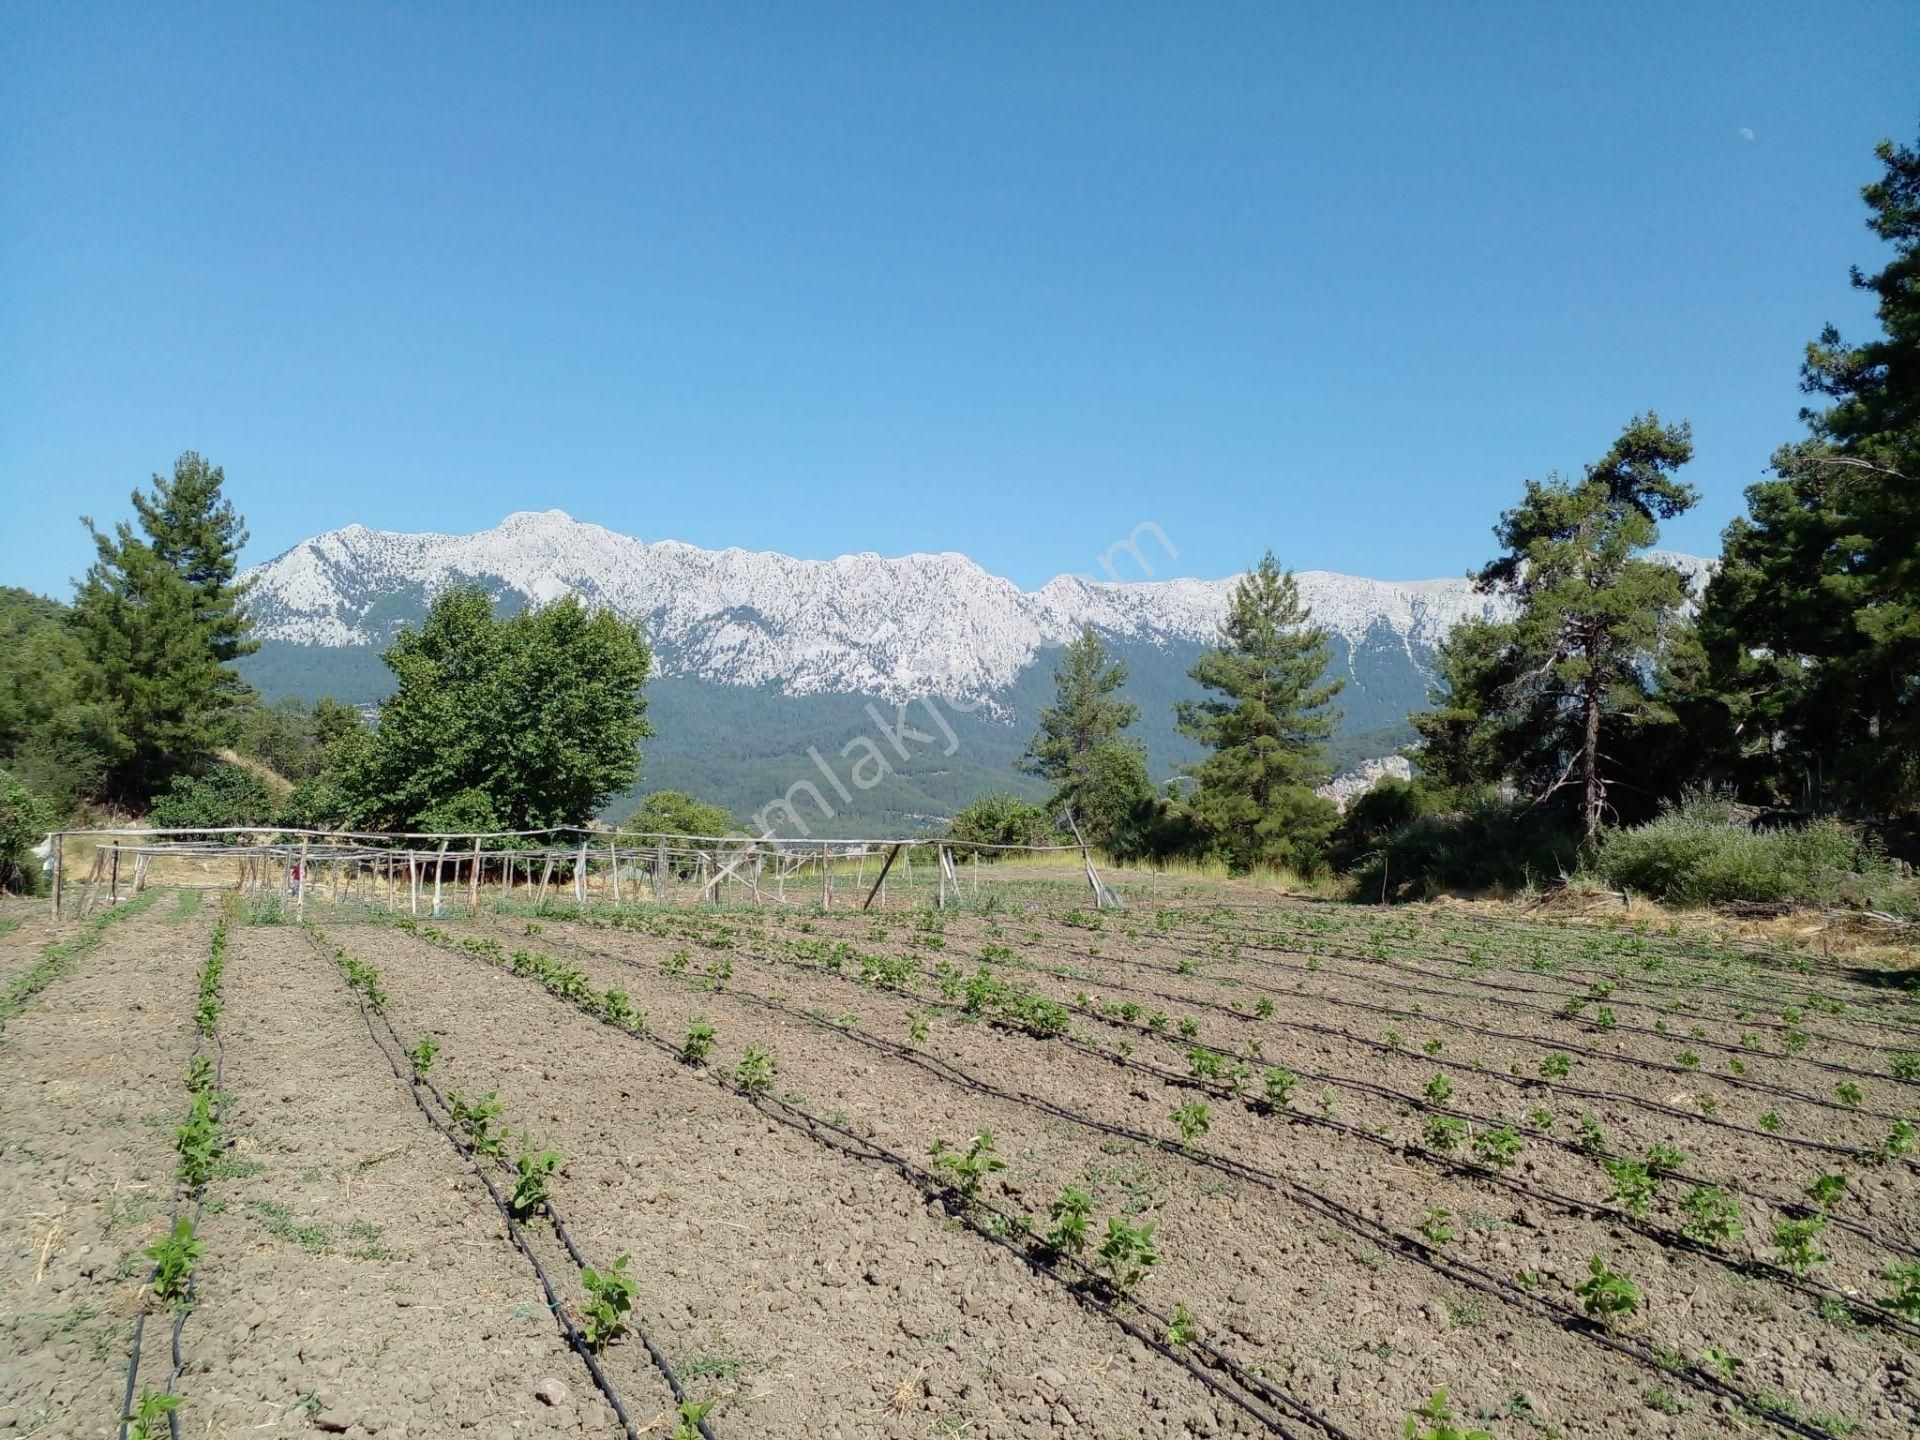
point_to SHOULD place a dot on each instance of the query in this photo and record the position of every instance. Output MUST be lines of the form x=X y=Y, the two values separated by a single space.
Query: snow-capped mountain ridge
x=910 y=625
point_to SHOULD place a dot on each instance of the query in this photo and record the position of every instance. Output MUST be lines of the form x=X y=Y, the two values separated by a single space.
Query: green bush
x=222 y=796
x=1701 y=853
x=24 y=823
x=1003 y=820
x=1489 y=846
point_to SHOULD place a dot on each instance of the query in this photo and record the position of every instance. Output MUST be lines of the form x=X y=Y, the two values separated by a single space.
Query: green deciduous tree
x=1267 y=728
x=1812 y=625
x=1001 y=819
x=674 y=812
x=1547 y=701
x=538 y=715
x=1079 y=734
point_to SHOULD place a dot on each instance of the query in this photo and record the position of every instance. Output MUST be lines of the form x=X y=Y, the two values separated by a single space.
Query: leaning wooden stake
x=881 y=878
x=300 y=890
x=473 y=881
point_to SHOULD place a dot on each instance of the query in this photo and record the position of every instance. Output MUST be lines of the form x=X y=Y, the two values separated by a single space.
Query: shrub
x=224 y=795
x=1003 y=820
x=1488 y=846
x=1700 y=853
x=24 y=823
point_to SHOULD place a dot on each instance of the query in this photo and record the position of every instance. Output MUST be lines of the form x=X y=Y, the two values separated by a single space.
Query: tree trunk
x=1590 y=758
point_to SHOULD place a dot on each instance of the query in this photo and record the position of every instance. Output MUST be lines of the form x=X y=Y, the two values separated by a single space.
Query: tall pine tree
x=1266 y=730
x=1812 y=625
x=1548 y=700
x=160 y=621
x=1080 y=746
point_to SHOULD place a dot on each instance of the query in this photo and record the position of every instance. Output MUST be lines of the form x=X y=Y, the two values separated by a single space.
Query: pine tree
x=193 y=527
x=1267 y=730
x=1812 y=625
x=1096 y=772
x=157 y=700
x=160 y=620
x=1550 y=697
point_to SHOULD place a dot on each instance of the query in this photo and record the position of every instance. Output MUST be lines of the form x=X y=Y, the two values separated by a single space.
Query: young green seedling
x=174 y=1256
x=1434 y=1420
x=1128 y=1253
x=148 y=1418
x=1193 y=1120
x=967 y=1172
x=1794 y=1240
x=604 y=1314
x=1606 y=1294
x=1067 y=1234
x=1713 y=1216
x=421 y=1056
x=699 y=1042
x=1183 y=1329
x=532 y=1169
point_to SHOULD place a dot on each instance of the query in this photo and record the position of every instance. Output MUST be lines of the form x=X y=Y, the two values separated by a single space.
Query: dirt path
x=91 y=1080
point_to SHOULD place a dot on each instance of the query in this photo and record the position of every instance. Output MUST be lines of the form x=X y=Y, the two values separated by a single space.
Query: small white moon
x=1744 y=133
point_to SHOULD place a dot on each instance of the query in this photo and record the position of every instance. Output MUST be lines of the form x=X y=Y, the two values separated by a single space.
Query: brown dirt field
x=815 y=1277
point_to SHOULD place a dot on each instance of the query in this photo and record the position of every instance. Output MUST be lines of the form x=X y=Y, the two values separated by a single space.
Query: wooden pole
x=439 y=872
x=613 y=860
x=659 y=872
x=413 y=883
x=826 y=879
x=300 y=891
x=580 y=876
x=113 y=879
x=59 y=865
x=881 y=879
x=473 y=881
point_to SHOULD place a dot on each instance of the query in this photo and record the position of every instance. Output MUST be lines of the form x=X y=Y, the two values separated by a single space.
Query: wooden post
x=473 y=881
x=976 y=874
x=580 y=875
x=826 y=879
x=546 y=878
x=392 y=897
x=113 y=879
x=906 y=859
x=613 y=859
x=59 y=859
x=659 y=872
x=413 y=883
x=300 y=891
x=439 y=873
x=881 y=879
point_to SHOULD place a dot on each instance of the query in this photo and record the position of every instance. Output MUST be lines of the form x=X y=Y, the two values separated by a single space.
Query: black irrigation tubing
x=1518 y=1081
x=1400 y=968
x=193 y=1284
x=1735 y=1081
x=1335 y=1032
x=1794 y=1207
x=1807 y=996
x=1671 y=1239
x=555 y=1305
x=1083 y=1291
x=1462 y=1271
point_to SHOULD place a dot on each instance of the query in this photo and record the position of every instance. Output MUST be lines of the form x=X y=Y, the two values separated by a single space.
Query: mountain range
x=767 y=667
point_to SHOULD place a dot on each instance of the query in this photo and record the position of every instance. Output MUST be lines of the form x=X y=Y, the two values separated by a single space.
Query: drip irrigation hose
x=185 y=1307
x=1463 y=1272
x=575 y=1339
x=1665 y=1237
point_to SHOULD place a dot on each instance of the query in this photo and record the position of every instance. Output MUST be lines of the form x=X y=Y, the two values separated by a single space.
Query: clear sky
x=1007 y=279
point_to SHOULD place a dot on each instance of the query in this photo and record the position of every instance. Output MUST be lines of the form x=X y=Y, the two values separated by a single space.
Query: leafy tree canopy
x=1078 y=734
x=674 y=812
x=541 y=713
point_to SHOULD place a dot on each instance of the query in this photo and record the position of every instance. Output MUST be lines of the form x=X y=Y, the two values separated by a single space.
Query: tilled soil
x=812 y=1295
x=357 y=1279
x=90 y=1086
x=355 y=1268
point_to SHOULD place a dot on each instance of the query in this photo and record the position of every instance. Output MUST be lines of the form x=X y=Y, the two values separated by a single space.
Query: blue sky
x=1003 y=279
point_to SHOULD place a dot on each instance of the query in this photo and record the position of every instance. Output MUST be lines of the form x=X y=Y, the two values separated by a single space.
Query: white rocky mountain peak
x=902 y=626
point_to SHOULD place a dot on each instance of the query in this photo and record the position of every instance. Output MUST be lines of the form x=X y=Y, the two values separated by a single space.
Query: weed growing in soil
x=1590 y=1138
x=1607 y=1295
x=609 y=1302
x=1905 y=1065
x=1899 y=1142
x=174 y=1256
x=1556 y=1066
